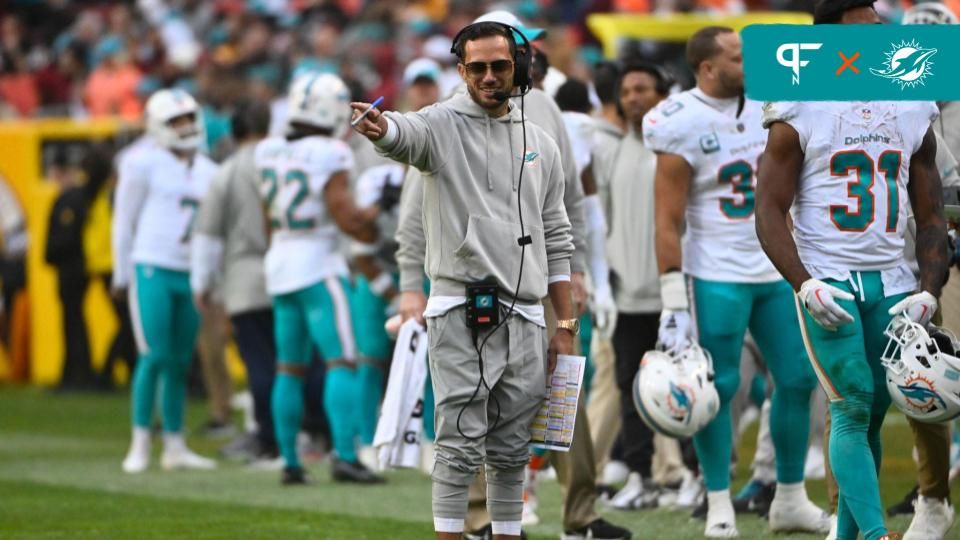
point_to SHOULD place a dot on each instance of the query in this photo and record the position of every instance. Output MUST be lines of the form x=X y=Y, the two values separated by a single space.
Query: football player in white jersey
x=158 y=193
x=306 y=189
x=849 y=170
x=715 y=280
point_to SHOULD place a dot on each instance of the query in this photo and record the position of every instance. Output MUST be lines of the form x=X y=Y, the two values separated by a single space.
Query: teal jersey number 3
x=739 y=175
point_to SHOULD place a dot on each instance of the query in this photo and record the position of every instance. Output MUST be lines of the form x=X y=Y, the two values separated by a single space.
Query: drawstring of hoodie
x=486 y=125
x=513 y=164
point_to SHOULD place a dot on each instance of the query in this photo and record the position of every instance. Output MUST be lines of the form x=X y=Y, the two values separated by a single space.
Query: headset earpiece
x=522 y=60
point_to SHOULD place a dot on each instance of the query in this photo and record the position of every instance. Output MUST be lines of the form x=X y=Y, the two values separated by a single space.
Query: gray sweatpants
x=514 y=362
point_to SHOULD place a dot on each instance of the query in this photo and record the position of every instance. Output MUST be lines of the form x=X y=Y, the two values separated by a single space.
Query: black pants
x=253 y=334
x=13 y=276
x=77 y=370
x=635 y=334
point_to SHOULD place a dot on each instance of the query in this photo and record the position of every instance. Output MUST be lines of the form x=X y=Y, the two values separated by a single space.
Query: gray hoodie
x=539 y=107
x=470 y=164
x=232 y=213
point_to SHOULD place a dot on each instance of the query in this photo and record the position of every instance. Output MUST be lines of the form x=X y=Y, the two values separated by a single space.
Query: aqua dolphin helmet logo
x=907 y=64
x=921 y=394
x=680 y=403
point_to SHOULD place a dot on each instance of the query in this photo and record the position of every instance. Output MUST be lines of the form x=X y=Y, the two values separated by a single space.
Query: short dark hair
x=573 y=95
x=249 y=118
x=606 y=81
x=661 y=76
x=481 y=30
x=831 y=11
x=703 y=45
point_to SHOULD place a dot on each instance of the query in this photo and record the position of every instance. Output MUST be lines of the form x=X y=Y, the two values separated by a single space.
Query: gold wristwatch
x=573 y=325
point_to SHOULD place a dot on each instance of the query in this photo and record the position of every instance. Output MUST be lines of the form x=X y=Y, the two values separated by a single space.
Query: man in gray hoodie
x=480 y=160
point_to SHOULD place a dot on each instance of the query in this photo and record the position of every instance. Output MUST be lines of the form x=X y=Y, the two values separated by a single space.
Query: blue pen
x=373 y=105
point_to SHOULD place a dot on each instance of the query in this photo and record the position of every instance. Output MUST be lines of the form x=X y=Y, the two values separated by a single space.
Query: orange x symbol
x=848 y=63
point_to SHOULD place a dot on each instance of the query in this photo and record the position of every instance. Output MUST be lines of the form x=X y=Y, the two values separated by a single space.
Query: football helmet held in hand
x=922 y=370
x=674 y=393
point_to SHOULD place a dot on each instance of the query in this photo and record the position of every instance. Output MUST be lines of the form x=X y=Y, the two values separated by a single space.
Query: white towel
x=401 y=417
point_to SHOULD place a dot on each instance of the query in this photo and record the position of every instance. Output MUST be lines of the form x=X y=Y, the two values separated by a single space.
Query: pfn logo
x=794 y=62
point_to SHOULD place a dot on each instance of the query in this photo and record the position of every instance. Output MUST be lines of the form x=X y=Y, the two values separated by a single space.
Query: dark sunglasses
x=479 y=69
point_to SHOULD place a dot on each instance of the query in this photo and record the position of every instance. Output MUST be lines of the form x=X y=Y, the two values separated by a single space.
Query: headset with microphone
x=522 y=59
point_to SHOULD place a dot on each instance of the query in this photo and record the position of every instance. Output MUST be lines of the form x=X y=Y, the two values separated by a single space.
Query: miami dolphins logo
x=908 y=64
x=680 y=402
x=921 y=394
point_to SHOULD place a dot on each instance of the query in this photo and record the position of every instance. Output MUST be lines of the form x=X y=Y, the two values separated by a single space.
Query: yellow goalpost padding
x=611 y=28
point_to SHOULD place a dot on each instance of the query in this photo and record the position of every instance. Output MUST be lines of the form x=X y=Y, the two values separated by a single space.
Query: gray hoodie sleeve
x=556 y=225
x=413 y=142
x=410 y=237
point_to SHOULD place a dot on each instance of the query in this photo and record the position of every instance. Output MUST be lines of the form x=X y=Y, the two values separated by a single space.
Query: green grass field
x=60 y=478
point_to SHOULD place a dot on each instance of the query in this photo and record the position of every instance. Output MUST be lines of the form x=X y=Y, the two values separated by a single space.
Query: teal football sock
x=855 y=464
x=370 y=378
x=340 y=401
x=287 y=407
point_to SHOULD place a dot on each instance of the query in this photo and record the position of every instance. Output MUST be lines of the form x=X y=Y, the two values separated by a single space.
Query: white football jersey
x=369 y=189
x=305 y=241
x=723 y=149
x=580 y=128
x=157 y=199
x=851 y=206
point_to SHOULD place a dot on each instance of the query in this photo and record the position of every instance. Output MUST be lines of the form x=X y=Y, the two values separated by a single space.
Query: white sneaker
x=797 y=516
x=615 y=472
x=721 y=520
x=931 y=520
x=183 y=458
x=691 y=491
x=815 y=468
x=633 y=495
x=367 y=455
x=833 y=528
x=137 y=460
x=267 y=464
x=138 y=457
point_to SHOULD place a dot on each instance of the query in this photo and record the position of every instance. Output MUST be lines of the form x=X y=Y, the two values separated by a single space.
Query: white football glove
x=918 y=307
x=604 y=311
x=818 y=299
x=675 y=330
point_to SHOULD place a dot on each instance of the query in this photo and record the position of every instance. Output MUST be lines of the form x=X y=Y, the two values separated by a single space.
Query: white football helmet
x=167 y=104
x=922 y=370
x=674 y=394
x=930 y=13
x=320 y=100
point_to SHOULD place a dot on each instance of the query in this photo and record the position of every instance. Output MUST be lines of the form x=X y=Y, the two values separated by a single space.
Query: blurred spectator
x=98 y=253
x=60 y=83
x=64 y=251
x=112 y=87
x=18 y=87
x=420 y=80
